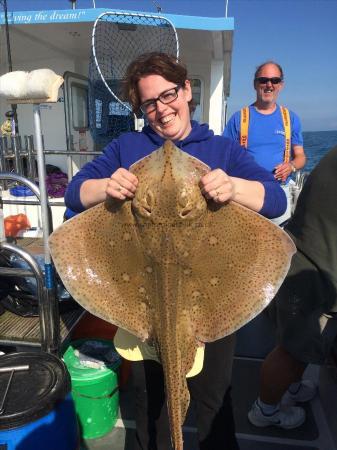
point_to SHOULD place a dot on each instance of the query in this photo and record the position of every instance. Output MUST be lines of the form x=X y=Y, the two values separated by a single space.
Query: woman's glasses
x=165 y=97
x=273 y=80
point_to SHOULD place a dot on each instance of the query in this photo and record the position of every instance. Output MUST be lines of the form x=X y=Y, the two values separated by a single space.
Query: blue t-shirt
x=266 y=135
x=215 y=151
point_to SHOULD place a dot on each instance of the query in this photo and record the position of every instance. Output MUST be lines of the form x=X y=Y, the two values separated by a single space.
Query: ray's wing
x=100 y=261
x=239 y=264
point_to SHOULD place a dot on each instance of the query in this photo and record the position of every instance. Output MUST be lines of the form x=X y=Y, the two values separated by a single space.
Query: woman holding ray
x=158 y=86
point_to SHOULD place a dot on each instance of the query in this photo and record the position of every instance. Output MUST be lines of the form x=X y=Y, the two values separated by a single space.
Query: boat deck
x=23 y=331
x=319 y=432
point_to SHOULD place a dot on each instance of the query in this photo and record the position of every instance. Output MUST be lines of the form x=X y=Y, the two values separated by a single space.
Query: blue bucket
x=38 y=411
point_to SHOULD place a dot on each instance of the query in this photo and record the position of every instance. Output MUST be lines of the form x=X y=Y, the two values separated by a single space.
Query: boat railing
x=50 y=328
x=296 y=187
x=48 y=308
x=18 y=155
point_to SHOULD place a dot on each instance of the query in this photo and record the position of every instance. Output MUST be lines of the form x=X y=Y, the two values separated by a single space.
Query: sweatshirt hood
x=198 y=134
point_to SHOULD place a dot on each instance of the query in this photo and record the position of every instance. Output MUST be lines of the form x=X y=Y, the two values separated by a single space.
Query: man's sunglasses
x=273 y=80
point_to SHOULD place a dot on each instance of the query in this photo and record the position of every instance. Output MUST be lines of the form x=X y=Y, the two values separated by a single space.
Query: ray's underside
x=171 y=268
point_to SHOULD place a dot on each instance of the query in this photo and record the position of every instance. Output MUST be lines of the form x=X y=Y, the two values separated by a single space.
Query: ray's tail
x=177 y=359
x=176 y=339
x=178 y=399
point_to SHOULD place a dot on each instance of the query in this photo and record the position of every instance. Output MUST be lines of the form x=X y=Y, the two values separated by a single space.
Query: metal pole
x=10 y=65
x=9 y=54
x=159 y=8
x=49 y=290
x=73 y=4
x=29 y=144
x=42 y=182
x=16 y=148
x=3 y=146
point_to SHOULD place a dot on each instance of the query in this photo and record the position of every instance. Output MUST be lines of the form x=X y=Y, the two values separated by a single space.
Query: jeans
x=210 y=391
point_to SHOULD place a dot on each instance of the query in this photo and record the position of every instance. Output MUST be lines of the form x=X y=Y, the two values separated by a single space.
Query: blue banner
x=90 y=15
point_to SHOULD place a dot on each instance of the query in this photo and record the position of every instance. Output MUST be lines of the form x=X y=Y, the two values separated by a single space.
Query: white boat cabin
x=61 y=40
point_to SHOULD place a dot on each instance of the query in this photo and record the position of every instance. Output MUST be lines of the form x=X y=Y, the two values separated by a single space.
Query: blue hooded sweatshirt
x=215 y=151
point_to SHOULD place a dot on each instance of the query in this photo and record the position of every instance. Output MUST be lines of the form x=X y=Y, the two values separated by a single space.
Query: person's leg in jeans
x=210 y=391
x=152 y=425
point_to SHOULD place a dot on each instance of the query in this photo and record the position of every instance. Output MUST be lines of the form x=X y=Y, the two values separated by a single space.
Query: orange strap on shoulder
x=286 y=124
x=244 y=123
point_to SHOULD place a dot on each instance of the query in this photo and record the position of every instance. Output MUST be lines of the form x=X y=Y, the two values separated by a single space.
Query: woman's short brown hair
x=155 y=63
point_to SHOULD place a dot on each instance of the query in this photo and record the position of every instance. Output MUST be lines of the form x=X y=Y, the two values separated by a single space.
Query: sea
x=316 y=145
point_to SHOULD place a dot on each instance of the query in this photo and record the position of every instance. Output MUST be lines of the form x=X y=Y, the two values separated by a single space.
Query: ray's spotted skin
x=170 y=267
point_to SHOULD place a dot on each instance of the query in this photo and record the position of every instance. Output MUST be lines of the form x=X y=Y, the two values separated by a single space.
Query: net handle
x=138 y=15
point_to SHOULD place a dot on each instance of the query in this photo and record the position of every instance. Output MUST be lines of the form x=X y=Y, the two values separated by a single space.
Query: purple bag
x=56 y=183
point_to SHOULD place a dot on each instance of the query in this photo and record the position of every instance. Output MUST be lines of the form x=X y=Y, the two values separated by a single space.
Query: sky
x=301 y=35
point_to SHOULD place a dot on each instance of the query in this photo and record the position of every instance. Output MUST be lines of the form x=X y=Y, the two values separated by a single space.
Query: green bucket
x=93 y=366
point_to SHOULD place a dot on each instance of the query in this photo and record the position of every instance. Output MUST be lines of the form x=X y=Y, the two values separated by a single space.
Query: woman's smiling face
x=171 y=121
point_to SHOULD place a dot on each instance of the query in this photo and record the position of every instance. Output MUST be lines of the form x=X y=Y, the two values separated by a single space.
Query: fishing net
x=117 y=39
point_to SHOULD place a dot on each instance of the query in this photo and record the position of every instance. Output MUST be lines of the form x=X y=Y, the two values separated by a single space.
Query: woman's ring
x=120 y=188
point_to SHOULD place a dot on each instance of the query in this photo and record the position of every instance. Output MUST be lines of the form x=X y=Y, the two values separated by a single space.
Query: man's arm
x=299 y=159
x=283 y=170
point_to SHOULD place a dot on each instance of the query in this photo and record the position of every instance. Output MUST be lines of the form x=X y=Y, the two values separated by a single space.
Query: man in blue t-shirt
x=266 y=131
